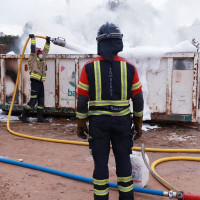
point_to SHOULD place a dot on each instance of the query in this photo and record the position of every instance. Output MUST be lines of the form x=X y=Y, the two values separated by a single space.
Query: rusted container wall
x=173 y=91
x=174 y=88
x=60 y=85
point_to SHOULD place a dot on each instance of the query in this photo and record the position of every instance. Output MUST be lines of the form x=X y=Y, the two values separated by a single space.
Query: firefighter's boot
x=23 y=116
x=40 y=116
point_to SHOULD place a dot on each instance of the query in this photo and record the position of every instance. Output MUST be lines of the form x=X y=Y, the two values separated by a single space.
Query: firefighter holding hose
x=106 y=85
x=37 y=67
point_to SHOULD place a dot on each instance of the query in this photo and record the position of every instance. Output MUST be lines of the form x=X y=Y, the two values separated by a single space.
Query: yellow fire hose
x=175 y=158
x=86 y=143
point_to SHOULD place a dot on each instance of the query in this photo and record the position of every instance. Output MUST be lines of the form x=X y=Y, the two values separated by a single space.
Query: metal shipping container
x=173 y=91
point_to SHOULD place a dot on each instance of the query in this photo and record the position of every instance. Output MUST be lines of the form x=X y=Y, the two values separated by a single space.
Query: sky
x=143 y=22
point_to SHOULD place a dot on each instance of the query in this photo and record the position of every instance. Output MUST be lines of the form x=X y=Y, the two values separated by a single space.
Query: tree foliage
x=11 y=41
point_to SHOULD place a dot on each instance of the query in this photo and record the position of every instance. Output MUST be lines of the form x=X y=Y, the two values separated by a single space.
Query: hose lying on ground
x=77 y=177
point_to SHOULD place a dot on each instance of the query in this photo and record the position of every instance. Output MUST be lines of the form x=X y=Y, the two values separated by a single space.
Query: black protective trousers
x=105 y=130
x=37 y=94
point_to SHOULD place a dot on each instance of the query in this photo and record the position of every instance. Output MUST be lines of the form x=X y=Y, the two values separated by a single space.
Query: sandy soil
x=19 y=183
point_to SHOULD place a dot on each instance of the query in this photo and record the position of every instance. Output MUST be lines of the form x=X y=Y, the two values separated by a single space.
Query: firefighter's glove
x=82 y=129
x=137 y=127
x=31 y=35
x=48 y=39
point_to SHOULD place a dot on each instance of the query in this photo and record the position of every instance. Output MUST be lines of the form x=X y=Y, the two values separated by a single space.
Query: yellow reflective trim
x=101 y=192
x=100 y=182
x=101 y=112
x=28 y=107
x=90 y=150
x=47 y=46
x=109 y=102
x=136 y=85
x=123 y=80
x=81 y=115
x=34 y=97
x=138 y=114
x=35 y=75
x=83 y=86
x=40 y=107
x=97 y=73
x=33 y=41
x=125 y=189
x=122 y=83
x=43 y=78
x=99 y=69
x=124 y=179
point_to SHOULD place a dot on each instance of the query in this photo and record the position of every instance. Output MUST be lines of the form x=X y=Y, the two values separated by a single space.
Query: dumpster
x=173 y=90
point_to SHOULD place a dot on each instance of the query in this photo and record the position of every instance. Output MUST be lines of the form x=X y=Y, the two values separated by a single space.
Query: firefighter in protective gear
x=106 y=85
x=37 y=67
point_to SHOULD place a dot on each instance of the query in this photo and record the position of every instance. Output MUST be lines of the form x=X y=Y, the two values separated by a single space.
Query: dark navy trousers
x=104 y=131
x=37 y=93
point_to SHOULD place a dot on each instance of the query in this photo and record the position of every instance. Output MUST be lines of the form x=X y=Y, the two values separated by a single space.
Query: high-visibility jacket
x=108 y=87
x=37 y=68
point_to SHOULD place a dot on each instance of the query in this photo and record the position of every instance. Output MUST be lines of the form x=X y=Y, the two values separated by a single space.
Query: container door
x=182 y=86
x=49 y=84
x=157 y=88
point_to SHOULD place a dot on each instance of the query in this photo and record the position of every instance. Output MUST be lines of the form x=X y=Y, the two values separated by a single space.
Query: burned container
x=173 y=94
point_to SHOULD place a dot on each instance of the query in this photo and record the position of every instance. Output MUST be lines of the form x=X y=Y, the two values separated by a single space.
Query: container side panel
x=182 y=91
x=67 y=83
x=25 y=82
x=157 y=88
x=11 y=67
x=49 y=84
x=82 y=62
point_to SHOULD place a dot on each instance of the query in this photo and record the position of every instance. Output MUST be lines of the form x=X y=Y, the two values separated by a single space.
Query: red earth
x=19 y=183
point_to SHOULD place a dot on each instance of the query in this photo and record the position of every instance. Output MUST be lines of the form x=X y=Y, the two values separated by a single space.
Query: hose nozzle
x=59 y=41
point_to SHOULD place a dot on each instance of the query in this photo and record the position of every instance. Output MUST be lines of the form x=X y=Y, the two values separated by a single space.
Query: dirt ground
x=19 y=183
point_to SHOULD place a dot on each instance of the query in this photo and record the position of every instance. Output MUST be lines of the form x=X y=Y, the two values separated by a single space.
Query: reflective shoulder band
x=83 y=86
x=136 y=86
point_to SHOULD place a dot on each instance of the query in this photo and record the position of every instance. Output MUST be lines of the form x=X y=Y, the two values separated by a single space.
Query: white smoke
x=150 y=27
x=141 y=22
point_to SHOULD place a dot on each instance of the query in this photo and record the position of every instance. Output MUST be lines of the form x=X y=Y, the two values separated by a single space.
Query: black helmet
x=107 y=31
